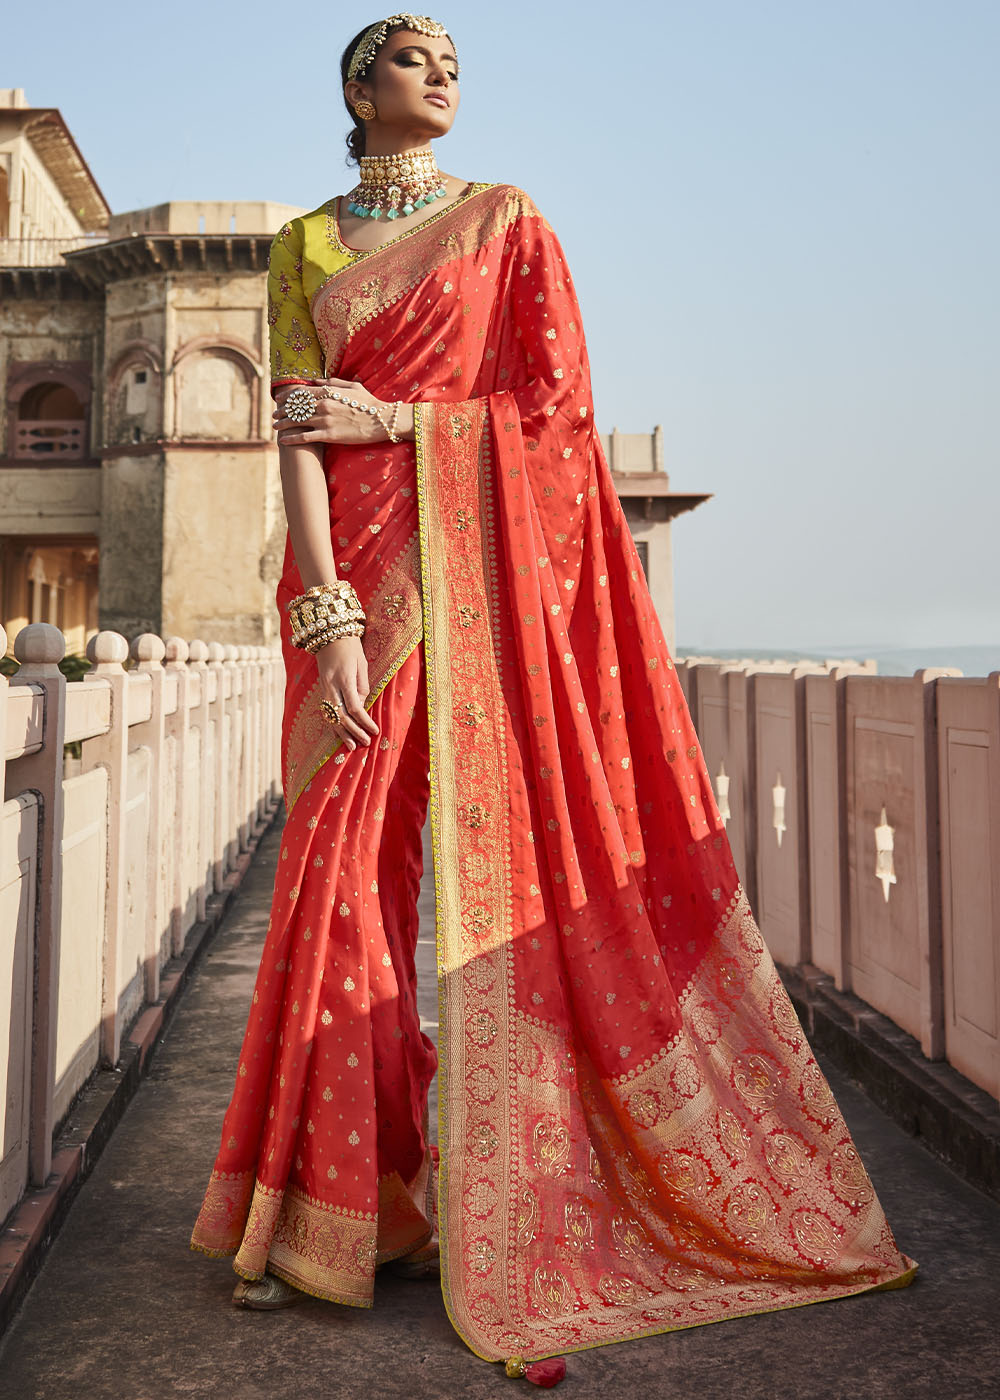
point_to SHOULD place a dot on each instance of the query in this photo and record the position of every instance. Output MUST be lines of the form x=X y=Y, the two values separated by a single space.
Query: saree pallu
x=634 y=1135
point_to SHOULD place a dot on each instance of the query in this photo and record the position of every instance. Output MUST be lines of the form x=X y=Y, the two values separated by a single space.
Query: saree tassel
x=545 y=1373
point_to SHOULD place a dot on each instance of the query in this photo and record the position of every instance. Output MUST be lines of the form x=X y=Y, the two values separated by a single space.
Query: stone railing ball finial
x=39 y=647
x=107 y=651
x=148 y=651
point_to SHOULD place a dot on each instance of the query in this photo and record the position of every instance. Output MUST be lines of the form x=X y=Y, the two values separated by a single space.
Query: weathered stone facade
x=151 y=347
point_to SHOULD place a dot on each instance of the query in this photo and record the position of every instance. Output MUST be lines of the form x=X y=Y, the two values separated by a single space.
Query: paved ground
x=122 y=1309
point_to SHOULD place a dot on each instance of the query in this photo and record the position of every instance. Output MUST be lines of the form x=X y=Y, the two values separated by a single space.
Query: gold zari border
x=717 y=1179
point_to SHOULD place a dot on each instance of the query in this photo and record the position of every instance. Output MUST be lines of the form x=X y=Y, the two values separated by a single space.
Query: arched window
x=50 y=423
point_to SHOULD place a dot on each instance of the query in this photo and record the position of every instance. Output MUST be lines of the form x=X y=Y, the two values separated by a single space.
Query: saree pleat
x=634 y=1135
x=324 y=1169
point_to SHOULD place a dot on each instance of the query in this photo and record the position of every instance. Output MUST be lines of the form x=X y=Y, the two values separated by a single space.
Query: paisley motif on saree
x=634 y=1136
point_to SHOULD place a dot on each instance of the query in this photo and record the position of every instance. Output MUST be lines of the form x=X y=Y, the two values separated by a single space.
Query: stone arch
x=48 y=411
x=134 y=394
x=216 y=391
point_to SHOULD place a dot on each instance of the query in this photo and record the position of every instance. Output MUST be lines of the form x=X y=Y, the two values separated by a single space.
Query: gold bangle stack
x=325 y=613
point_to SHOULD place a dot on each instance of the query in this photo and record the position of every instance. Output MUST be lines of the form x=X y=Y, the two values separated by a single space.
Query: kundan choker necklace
x=393 y=186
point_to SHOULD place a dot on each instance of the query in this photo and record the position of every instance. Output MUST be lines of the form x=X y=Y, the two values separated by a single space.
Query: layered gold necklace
x=391 y=187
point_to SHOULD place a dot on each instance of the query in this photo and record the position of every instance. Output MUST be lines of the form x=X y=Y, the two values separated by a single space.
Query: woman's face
x=414 y=83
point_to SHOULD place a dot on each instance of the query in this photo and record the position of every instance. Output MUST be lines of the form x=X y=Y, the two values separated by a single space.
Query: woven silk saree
x=634 y=1135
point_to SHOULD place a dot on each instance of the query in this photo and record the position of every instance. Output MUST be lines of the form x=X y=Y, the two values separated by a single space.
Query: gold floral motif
x=483 y=1140
x=475 y=815
x=686 y=1175
x=478 y=920
x=757 y=1080
x=468 y=615
x=685 y=1078
x=527 y=1216
x=816 y=1235
x=579 y=1226
x=644 y=1108
x=550 y=1146
x=483 y=1084
x=730 y=981
x=597 y=1171
x=473 y=714
x=850 y=1180
x=734 y=1138
x=685 y=1279
x=749 y=1213
x=705 y=1023
x=815 y=1094
x=551 y=1291
x=783 y=1015
x=621 y=1291
x=480 y=1198
x=630 y=1236
x=481 y=1256
x=637 y=1178
x=393 y=605
x=482 y=1028
x=787 y=1158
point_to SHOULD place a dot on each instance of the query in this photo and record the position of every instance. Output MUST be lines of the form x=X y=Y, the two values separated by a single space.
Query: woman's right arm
x=342 y=664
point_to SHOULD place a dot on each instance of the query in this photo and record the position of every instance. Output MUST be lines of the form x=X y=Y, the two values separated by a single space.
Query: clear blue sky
x=782 y=216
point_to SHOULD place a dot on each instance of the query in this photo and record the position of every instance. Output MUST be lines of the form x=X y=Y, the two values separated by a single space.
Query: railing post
x=39 y=648
x=247 y=804
x=220 y=762
x=148 y=652
x=198 y=662
x=178 y=727
x=107 y=652
x=236 y=710
x=232 y=777
x=259 y=765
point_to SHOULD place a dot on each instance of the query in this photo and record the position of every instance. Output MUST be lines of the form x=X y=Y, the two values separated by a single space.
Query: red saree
x=634 y=1136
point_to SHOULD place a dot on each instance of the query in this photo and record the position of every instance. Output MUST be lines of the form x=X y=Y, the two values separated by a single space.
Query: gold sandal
x=266 y=1293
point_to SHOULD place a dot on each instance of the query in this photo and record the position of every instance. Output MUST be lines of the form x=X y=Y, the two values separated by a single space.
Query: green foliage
x=73 y=667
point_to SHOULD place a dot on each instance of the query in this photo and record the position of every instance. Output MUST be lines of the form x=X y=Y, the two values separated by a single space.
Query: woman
x=634 y=1136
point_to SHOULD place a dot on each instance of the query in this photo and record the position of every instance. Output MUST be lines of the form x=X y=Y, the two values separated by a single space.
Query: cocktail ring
x=300 y=405
x=330 y=710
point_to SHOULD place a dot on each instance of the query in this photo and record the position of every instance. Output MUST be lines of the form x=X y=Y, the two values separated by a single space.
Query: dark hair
x=356 y=136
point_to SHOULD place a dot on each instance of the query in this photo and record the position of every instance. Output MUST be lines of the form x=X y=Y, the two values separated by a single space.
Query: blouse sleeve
x=294 y=345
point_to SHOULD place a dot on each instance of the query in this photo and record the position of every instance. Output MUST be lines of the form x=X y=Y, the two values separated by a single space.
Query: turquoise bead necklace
x=392 y=187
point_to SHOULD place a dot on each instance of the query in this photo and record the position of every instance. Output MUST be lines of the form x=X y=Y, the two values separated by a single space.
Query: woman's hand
x=343 y=674
x=334 y=420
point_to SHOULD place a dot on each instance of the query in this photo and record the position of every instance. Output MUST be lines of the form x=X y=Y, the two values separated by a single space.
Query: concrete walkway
x=123 y=1309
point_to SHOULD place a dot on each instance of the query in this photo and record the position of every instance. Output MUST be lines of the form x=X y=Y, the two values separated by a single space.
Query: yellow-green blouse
x=304 y=254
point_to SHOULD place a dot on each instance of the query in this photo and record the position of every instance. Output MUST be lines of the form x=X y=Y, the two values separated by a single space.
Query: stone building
x=139 y=484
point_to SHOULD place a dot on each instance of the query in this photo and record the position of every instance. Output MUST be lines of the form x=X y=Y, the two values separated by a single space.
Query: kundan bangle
x=329 y=608
x=323 y=639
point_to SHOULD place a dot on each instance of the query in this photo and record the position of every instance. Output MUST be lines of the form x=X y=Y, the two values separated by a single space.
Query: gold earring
x=364 y=111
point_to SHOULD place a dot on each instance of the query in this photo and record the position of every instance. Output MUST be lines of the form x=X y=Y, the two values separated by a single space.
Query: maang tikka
x=374 y=37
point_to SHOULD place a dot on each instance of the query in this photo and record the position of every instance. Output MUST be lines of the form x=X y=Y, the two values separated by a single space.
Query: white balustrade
x=108 y=861
x=863 y=759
